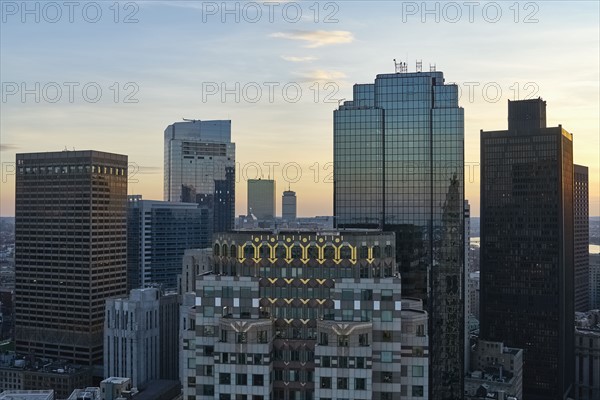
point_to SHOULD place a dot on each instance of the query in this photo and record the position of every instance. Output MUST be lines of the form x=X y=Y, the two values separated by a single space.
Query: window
x=262 y=336
x=360 y=362
x=325 y=382
x=209 y=291
x=323 y=339
x=386 y=316
x=227 y=292
x=240 y=397
x=387 y=396
x=386 y=356
x=360 y=384
x=363 y=339
x=386 y=295
x=242 y=337
x=241 y=358
x=258 y=380
x=417 y=391
x=366 y=294
x=224 y=378
x=207 y=370
x=420 y=330
x=342 y=362
x=224 y=336
x=241 y=379
x=209 y=350
x=366 y=315
x=343 y=340
x=191 y=362
x=208 y=390
x=342 y=383
x=386 y=336
x=246 y=293
x=403 y=370
x=326 y=361
x=209 y=330
x=347 y=294
x=417 y=351
x=209 y=311
x=347 y=315
x=417 y=370
x=257 y=358
x=224 y=396
x=386 y=377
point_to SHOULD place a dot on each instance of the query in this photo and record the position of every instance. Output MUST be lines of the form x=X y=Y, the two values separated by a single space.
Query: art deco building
x=399 y=167
x=527 y=240
x=71 y=251
x=303 y=316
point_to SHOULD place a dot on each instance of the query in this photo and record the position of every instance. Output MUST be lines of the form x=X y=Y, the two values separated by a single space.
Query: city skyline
x=203 y=52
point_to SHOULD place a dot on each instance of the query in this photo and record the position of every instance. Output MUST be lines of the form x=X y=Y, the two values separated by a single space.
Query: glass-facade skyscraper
x=399 y=166
x=527 y=246
x=199 y=167
x=158 y=233
x=261 y=199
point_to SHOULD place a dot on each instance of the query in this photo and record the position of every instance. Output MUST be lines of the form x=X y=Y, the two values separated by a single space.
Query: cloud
x=317 y=38
x=324 y=75
x=8 y=147
x=299 y=59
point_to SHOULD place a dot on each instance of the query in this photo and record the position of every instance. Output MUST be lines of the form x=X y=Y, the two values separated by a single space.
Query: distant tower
x=288 y=206
x=199 y=167
x=261 y=199
x=581 y=220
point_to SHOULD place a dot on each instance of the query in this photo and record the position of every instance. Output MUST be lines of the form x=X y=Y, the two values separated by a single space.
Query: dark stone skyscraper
x=399 y=166
x=527 y=246
x=582 y=238
x=71 y=251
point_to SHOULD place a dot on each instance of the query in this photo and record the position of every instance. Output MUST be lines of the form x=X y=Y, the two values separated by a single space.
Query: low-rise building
x=587 y=356
x=27 y=395
x=496 y=372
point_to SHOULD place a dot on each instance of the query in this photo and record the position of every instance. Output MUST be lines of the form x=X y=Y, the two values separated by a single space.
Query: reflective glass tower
x=527 y=246
x=199 y=164
x=399 y=166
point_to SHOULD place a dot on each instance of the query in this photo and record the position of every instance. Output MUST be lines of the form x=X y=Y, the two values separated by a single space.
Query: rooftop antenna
x=400 y=67
x=431 y=67
x=419 y=65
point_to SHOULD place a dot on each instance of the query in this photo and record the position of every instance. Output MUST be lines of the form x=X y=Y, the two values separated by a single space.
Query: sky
x=111 y=76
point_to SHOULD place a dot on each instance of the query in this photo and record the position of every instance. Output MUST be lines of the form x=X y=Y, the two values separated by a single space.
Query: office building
x=587 y=356
x=261 y=199
x=303 y=315
x=288 y=206
x=158 y=234
x=71 y=251
x=399 y=166
x=581 y=220
x=141 y=336
x=27 y=395
x=199 y=167
x=594 y=284
x=496 y=372
x=527 y=243
x=195 y=262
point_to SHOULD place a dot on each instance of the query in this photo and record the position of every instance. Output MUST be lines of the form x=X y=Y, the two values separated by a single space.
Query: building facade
x=399 y=166
x=527 y=243
x=261 y=199
x=594 y=285
x=141 y=336
x=288 y=206
x=199 y=167
x=158 y=234
x=303 y=316
x=496 y=370
x=581 y=219
x=71 y=251
x=587 y=356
